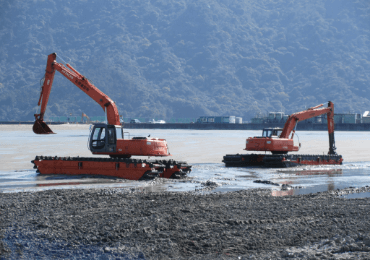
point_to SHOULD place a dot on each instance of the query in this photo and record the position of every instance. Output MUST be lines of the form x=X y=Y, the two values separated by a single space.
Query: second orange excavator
x=105 y=139
x=278 y=142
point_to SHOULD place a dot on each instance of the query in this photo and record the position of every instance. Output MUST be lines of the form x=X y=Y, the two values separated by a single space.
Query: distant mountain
x=177 y=58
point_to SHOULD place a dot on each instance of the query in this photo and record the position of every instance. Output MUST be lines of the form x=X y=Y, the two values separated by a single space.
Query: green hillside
x=177 y=58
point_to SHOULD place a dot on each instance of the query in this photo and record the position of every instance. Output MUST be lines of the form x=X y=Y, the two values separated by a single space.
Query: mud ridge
x=116 y=223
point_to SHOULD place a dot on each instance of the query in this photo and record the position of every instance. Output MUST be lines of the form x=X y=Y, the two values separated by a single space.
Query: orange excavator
x=105 y=139
x=278 y=142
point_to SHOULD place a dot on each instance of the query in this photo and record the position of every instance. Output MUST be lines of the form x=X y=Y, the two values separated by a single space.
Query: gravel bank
x=114 y=223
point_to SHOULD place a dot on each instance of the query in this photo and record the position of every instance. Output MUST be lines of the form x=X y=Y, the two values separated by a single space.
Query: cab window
x=267 y=133
x=277 y=133
x=111 y=135
x=119 y=132
x=98 y=137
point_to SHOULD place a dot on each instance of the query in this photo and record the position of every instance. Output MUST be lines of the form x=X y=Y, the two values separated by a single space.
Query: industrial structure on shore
x=271 y=118
x=280 y=117
x=220 y=119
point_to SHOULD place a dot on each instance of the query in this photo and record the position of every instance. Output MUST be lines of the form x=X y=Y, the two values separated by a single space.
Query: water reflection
x=294 y=181
x=360 y=195
x=316 y=172
x=63 y=181
x=277 y=193
x=58 y=184
x=288 y=189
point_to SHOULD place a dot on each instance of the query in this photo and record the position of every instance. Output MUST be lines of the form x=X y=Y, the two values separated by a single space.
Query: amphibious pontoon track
x=132 y=169
x=279 y=160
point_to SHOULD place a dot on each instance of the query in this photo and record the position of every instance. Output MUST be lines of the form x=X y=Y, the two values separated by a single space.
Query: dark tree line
x=177 y=58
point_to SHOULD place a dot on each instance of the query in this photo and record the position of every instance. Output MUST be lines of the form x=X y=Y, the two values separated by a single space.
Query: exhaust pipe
x=40 y=127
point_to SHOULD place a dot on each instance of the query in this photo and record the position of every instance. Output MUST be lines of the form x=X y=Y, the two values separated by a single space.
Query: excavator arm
x=283 y=143
x=40 y=127
x=310 y=113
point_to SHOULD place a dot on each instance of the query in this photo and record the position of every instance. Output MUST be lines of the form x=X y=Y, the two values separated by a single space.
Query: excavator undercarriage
x=131 y=169
x=280 y=160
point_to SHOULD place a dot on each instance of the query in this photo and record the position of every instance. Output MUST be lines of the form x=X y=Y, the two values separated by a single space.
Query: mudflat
x=131 y=224
x=115 y=223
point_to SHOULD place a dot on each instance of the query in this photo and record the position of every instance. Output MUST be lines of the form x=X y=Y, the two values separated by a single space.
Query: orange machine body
x=272 y=144
x=140 y=147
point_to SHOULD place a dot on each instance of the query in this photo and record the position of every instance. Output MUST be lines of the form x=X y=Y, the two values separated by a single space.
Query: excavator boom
x=309 y=113
x=40 y=127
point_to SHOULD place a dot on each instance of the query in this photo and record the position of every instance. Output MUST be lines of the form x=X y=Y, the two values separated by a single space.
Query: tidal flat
x=216 y=213
x=121 y=224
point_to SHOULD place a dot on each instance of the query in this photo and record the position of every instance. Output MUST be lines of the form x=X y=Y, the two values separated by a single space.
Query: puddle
x=360 y=195
x=313 y=172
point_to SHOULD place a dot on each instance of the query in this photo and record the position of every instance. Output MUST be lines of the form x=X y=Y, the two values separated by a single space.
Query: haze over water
x=202 y=149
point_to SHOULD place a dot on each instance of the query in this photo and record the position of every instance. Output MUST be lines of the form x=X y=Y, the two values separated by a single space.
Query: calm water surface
x=202 y=149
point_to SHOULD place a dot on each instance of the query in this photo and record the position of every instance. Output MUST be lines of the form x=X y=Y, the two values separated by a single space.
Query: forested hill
x=186 y=58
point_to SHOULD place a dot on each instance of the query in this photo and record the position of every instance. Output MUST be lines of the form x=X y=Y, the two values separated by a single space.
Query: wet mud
x=249 y=224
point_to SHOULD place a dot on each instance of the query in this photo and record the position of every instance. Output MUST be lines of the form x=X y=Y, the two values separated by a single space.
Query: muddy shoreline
x=116 y=223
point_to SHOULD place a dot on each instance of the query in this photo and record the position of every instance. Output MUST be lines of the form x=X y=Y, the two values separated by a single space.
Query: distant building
x=273 y=117
x=279 y=117
x=219 y=119
x=366 y=117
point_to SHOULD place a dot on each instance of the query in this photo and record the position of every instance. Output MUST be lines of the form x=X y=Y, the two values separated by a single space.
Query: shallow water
x=360 y=195
x=202 y=149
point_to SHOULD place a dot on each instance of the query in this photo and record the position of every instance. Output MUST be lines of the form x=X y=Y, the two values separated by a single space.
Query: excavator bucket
x=40 y=127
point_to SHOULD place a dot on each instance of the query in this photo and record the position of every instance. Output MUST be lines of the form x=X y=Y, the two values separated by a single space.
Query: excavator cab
x=109 y=140
x=103 y=138
x=271 y=132
x=270 y=141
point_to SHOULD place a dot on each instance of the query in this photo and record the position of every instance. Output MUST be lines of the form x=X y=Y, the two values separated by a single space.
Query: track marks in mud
x=90 y=223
